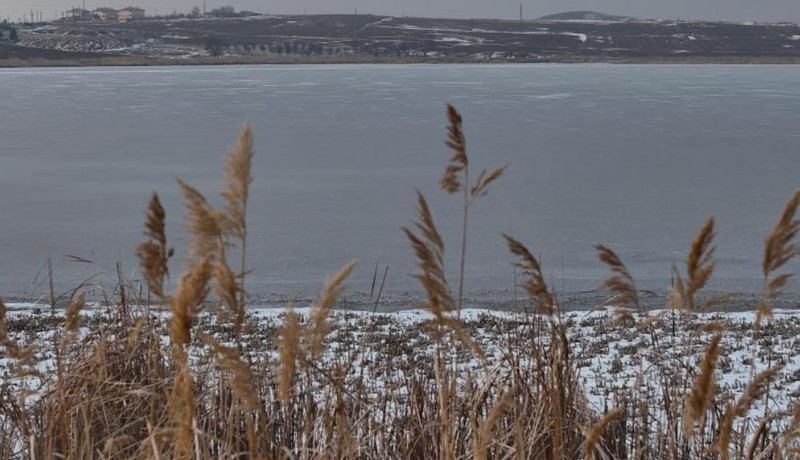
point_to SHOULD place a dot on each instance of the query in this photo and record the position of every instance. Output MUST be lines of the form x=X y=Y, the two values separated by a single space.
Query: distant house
x=78 y=14
x=105 y=14
x=130 y=13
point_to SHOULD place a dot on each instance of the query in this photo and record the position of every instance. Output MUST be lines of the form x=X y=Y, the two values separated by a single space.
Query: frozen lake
x=635 y=157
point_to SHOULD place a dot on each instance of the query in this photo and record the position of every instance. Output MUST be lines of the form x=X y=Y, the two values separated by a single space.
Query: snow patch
x=581 y=37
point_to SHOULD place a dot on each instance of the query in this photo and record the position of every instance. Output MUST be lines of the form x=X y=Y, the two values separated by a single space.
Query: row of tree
x=216 y=46
x=196 y=13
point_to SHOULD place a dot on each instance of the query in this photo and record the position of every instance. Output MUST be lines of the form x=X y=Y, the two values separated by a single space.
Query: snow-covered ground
x=612 y=360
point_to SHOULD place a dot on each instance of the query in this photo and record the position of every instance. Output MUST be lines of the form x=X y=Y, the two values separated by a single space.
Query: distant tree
x=1 y=34
x=196 y=12
x=224 y=12
x=13 y=35
x=215 y=46
x=263 y=48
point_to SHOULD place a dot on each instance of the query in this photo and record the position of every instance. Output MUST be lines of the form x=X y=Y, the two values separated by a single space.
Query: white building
x=105 y=14
x=130 y=13
x=78 y=14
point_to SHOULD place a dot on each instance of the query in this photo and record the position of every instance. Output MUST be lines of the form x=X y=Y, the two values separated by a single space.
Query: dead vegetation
x=208 y=379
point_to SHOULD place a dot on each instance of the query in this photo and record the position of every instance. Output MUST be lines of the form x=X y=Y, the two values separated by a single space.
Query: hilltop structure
x=78 y=14
x=130 y=13
x=103 y=14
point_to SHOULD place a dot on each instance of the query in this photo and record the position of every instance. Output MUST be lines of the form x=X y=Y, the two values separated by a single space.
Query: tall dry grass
x=205 y=385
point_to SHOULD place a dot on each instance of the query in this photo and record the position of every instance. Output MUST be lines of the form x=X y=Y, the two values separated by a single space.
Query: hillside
x=585 y=16
x=333 y=38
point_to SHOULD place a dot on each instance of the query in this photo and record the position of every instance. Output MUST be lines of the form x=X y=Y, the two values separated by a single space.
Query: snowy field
x=613 y=362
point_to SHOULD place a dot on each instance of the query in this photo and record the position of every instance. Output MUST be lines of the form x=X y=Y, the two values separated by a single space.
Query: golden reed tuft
x=429 y=249
x=621 y=283
x=700 y=264
x=458 y=144
x=593 y=437
x=535 y=286
x=755 y=391
x=153 y=254
x=779 y=248
x=330 y=293
x=704 y=388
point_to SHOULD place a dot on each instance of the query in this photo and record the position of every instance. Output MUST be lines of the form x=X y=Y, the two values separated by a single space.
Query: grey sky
x=733 y=10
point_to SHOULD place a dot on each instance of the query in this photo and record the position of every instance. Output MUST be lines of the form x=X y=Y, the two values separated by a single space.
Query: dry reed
x=154 y=254
x=704 y=388
x=535 y=286
x=779 y=249
x=621 y=284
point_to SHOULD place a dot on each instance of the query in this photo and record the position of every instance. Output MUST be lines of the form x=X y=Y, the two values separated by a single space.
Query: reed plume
x=206 y=224
x=153 y=254
x=330 y=293
x=485 y=179
x=73 y=319
x=535 y=285
x=21 y=354
x=3 y=322
x=230 y=361
x=189 y=297
x=779 y=248
x=791 y=439
x=237 y=184
x=236 y=195
x=227 y=289
x=593 y=437
x=289 y=352
x=181 y=406
x=621 y=283
x=755 y=391
x=700 y=264
x=429 y=249
x=484 y=436
x=453 y=183
x=704 y=387
x=457 y=142
x=191 y=293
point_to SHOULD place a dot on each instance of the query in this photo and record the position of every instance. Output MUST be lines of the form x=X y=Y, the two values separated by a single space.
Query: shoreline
x=149 y=61
x=500 y=301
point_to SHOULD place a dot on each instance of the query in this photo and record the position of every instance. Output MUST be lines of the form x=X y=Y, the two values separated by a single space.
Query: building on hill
x=105 y=14
x=130 y=13
x=78 y=14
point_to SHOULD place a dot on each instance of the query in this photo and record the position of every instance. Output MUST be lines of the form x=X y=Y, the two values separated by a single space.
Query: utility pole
x=520 y=13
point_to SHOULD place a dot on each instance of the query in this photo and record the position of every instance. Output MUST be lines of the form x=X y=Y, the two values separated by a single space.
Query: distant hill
x=567 y=37
x=584 y=16
x=11 y=51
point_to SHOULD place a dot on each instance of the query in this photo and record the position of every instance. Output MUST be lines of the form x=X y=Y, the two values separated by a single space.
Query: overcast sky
x=731 y=10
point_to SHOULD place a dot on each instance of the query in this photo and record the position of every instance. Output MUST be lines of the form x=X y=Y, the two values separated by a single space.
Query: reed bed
x=198 y=373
